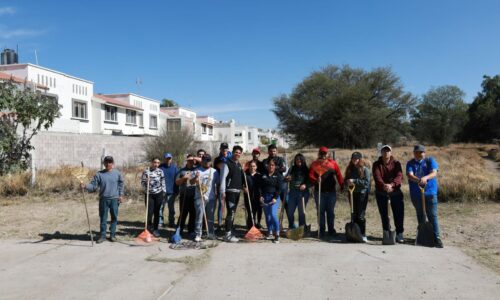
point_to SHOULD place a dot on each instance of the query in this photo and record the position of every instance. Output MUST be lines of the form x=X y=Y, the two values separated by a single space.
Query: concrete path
x=73 y=270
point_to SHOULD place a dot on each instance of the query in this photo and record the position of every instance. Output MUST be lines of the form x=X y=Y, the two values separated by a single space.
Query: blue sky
x=229 y=58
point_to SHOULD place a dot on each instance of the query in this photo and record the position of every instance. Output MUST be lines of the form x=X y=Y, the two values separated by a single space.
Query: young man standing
x=186 y=195
x=110 y=184
x=157 y=191
x=169 y=170
x=323 y=171
x=205 y=179
x=231 y=185
x=422 y=171
x=388 y=176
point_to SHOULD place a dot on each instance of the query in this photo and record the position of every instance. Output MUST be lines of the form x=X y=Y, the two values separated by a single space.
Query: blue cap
x=167 y=155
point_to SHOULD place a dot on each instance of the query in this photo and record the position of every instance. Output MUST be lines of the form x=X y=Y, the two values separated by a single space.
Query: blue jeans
x=431 y=209
x=108 y=206
x=220 y=215
x=271 y=212
x=326 y=207
x=295 y=200
x=170 y=201
x=209 y=211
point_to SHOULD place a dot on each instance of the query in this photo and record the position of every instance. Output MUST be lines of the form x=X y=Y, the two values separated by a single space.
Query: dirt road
x=71 y=270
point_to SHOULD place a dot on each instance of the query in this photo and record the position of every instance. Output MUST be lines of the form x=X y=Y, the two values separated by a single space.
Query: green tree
x=440 y=116
x=168 y=103
x=345 y=107
x=484 y=113
x=24 y=111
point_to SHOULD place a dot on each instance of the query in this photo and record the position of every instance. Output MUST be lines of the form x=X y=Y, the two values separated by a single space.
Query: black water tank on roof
x=9 y=57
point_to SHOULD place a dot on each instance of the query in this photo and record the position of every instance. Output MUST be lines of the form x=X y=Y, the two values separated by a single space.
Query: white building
x=177 y=118
x=73 y=93
x=205 y=129
x=245 y=136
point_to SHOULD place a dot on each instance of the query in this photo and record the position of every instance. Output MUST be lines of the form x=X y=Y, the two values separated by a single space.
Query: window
x=153 y=107
x=55 y=82
x=173 y=125
x=73 y=88
x=131 y=117
x=203 y=128
x=111 y=113
x=141 y=119
x=79 y=110
x=249 y=135
x=210 y=130
x=238 y=134
x=50 y=81
x=138 y=103
x=38 y=78
x=153 y=122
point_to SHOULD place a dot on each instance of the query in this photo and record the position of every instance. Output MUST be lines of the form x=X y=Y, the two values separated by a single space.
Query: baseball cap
x=206 y=158
x=386 y=146
x=323 y=149
x=356 y=155
x=256 y=150
x=167 y=155
x=224 y=146
x=419 y=148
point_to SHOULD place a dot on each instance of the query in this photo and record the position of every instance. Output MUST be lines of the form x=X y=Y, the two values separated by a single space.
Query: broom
x=80 y=176
x=146 y=236
x=176 y=238
x=253 y=234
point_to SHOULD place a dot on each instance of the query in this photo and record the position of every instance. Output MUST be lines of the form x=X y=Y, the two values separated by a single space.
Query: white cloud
x=7 y=10
x=6 y=33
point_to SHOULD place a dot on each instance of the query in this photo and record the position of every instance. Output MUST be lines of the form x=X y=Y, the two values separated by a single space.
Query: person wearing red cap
x=323 y=171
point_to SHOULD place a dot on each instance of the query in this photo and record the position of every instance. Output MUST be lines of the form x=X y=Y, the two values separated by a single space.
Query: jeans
x=284 y=197
x=231 y=200
x=397 y=206
x=170 y=201
x=326 y=207
x=431 y=210
x=360 y=201
x=111 y=206
x=209 y=211
x=155 y=201
x=295 y=200
x=271 y=213
x=187 y=207
x=220 y=214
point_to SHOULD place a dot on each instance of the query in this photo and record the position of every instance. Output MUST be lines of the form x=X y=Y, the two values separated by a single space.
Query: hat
x=323 y=149
x=256 y=150
x=167 y=155
x=108 y=159
x=356 y=155
x=224 y=146
x=419 y=148
x=386 y=146
x=206 y=158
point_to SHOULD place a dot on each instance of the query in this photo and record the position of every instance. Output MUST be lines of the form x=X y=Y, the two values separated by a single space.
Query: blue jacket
x=170 y=173
x=421 y=169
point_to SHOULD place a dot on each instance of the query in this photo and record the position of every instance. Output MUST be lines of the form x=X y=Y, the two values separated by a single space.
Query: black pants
x=398 y=209
x=155 y=201
x=360 y=201
x=187 y=204
x=256 y=210
x=232 y=199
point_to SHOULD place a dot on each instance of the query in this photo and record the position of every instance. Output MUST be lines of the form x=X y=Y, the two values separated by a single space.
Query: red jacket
x=390 y=173
x=329 y=168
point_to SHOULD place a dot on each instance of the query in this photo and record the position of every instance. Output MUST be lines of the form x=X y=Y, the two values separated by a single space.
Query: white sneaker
x=230 y=238
x=270 y=237
x=365 y=239
x=197 y=239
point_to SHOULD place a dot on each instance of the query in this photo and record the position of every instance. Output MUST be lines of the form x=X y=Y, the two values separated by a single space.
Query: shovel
x=389 y=236
x=352 y=230
x=425 y=231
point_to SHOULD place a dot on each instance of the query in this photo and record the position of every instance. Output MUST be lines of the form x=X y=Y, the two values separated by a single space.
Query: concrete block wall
x=55 y=149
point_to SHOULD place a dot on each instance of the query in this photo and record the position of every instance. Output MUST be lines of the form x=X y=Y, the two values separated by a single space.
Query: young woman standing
x=270 y=188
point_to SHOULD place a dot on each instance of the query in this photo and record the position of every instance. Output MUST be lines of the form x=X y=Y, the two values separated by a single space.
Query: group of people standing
x=207 y=188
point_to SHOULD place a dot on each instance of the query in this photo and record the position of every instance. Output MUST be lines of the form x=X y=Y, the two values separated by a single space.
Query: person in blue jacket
x=170 y=171
x=422 y=171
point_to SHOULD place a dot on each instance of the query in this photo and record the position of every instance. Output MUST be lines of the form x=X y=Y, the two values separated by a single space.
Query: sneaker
x=333 y=232
x=156 y=233
x=258 y=226
x=197 y=239
x=113 y=239
x=270 y=237
x=365 y=239
x=211 y=236
x=230 y=238
x=399 y=238
x=172 y=225
x=276 y=240
x=439 y=243
x=100 y=240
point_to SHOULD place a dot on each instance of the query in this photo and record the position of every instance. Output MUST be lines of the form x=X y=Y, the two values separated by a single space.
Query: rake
x=253 y=234
x=81 y=176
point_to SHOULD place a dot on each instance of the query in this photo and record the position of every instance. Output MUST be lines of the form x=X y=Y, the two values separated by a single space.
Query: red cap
x=256 y=150
x=323 y=149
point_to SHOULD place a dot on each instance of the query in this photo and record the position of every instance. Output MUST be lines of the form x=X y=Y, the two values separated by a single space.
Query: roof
x=5 y=76
x=21 y=66
x=124 y=95
x=116 y=102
